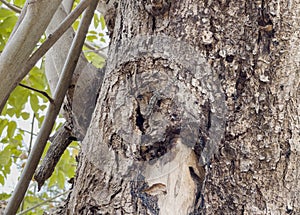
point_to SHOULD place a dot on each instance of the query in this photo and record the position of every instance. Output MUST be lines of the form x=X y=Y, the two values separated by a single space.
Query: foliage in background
x=25 y=111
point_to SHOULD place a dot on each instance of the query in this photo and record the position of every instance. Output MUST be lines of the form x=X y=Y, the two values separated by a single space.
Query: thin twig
x=38 y=91
x=11 y=6
x=43 y=203
x=68 y=6
x=95 y=50
x=90 y=46
x=31 y=134
x=52 y=112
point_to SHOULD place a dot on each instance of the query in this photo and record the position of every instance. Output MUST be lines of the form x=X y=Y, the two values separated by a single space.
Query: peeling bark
x=198 y=112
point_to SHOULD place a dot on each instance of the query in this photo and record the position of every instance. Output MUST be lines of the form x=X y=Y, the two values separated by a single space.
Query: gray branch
x=52 y=112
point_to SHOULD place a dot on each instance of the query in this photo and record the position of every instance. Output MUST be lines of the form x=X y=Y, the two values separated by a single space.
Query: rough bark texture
x=158 y=143
x=59 y=142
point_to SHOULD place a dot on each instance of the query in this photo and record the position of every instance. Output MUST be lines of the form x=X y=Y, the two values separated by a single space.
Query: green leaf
x=7 y=167
x=18 y=98
x=8 y=23
x=2 y=181
x=36 y=83
x=36 y=79
x=42 y=107
x=52 y=179
x=3 y=124
x=40 y=120
x=4 y=196
x=102 y=21
x=61 y=179
x=4 y=110
x=34 y=102
x=70 y=172
x=16 y=152
x=12 y=125
x=95 y=59
x=10 y=112
x=19 y=137
x=96 y=20
x=5 y=13
x=93 y=32
x=25 y=115
x=4 y=140
x=19 y=3
x=75 y=25
x=3 y=32
x=91 y=38
x=5 y=157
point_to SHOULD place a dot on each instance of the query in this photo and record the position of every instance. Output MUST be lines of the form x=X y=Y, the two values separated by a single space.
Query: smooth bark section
x=68 y=4
x=52 y=112
x=20 y=19
x=22 y=43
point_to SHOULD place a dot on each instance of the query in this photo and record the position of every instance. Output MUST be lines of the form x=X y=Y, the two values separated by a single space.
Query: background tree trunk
x=198 y=112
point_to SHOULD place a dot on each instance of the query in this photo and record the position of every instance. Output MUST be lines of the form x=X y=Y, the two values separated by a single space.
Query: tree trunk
x=198 y=112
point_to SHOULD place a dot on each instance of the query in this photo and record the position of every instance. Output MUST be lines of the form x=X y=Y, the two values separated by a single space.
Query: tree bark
x=198 y=112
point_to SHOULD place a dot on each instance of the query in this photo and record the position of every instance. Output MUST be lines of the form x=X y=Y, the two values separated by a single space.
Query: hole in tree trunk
x=140 y=120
